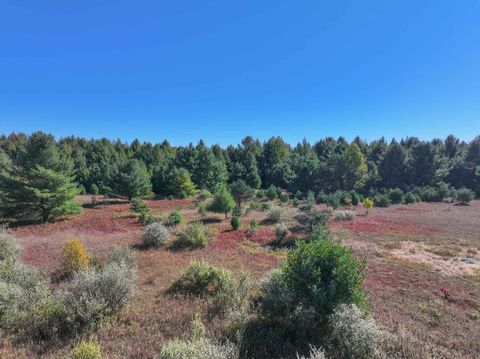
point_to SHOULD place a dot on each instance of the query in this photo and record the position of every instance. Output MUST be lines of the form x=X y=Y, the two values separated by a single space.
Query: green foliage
x=271 y=192
x=155 y=235
x=281 y=231
x=94 y=189
x=411 y=198
x=202 y=209
x=381 y=200
x=222 y=201
x=275 y=215
x=355 y=167
x=333 y=200
x=253 y=226
x=465 y=196
x=241 y=192
x=237 y=211
x=201 y=279
x=174 y=218
x=87 y=350
x=283 y=197
x=355 y=198
x=9 y=248
x=139 y=206
x=179 y=183
x=132 y=180
x=396 y=195
x=235 y=223
x=193 y=236
x=429 y=194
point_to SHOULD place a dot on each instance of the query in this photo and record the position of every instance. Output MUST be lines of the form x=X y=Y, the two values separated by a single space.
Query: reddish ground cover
x=377 y=224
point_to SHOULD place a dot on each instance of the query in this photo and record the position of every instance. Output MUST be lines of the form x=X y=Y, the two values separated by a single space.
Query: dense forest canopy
x=111 y=167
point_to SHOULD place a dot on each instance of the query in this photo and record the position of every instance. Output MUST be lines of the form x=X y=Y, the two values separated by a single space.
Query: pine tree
x=179 y=181
x=132 y=180
x=223 y=201
x=40 y=185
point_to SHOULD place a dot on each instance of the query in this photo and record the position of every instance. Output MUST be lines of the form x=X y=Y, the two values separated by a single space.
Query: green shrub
x=295 y=202
x=429 y=194
x=202 y=210
x=355 y=198
x=9 y=248
x=281 y=231
x=182 y=195
x=465 y=196
x=283 y=197
x=237 y=211
x=253 y=226
x=87 y=350
x=316 y=218
x=201 y=279
x=155 y=235
x=396 y=195
x=139 y=206
x=311 y=199
x=222 y=201
x=352 y=334
x=411 y=198
x=271 y=192
x=381 y=200
x=343 y=215
x=174 y=218
x=235 y=223
x=264 y=207
x=204 y=194
x=333 y=200
x=275 y=215
x=193 y=236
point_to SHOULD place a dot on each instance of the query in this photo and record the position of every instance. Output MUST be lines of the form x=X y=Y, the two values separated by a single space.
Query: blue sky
x=220 y=70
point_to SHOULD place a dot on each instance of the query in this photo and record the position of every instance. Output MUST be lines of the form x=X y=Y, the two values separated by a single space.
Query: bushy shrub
x=283 y=196
x=343 y=215
x=411 y=198
x=264 y=207
x=253 y=226
x=345 y=197
x=138 y=205
x=193 y=236
x=87 y=350
x=396 y=195
x=202 y=210
x=333 y=200
x=235 y=223
x=429 y=194
x=381 y=200
x=94 y=295
x=316 y=218
x=74 y=257
x=197 y=347
x=237 y=211
x=271 y=192
x=311 y=199
x=155 y=235
x=319 y=232
x=201 y=279
x=355 y=198
x=465 y=196
x=295 y=202
x=275 y=215
x=352 y=334
x=281 y=231
x=444 y=190
x=147 y=218
x=174 y=218
x=123 y=256
x=204 y=194
x=182 y=195
x=9 y=248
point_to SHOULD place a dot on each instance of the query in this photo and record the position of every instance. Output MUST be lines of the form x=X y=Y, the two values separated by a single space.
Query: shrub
x=235 y=223
x=465 y=196
x=333 y=200
x=123 y=256
x=355 y=198
x=202 y=210
x=411 y=198
x=264 y=207
x=429 y=194
x=275 y=215
x=316 y=218
x=222 y=201
x=319 y=232
x=311 y=199
x=237 y=211
x=174 y=218
x=253 y=226
x=352 y=335
x=74 y=257
x=204 y=194
x=94 y=295
x=9 y=248
x=86 y=350
x=138 y=206
x=295 y=202
x=367 y=203
x=381 y=200
x=193 y=236
x=146 y=218
x=155 y=235
x=283 y=196
x=343 y=215
x=345 y=198
x=396 y=195
x=182 y=195
x=201 y=279
x=281 y=231
x=271 y=192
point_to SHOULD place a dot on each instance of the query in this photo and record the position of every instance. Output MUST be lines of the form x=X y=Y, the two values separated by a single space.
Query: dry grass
x=413 y=252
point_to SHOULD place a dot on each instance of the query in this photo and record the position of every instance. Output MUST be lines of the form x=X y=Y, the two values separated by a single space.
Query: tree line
x=40 y=175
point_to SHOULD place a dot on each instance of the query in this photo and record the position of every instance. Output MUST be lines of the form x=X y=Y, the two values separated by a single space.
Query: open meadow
x=422 y=274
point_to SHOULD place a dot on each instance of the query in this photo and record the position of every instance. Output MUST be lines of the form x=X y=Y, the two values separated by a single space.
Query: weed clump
x=193 y=236
x=155 y=235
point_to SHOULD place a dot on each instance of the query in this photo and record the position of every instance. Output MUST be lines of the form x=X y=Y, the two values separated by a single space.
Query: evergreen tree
x=241 y=191
x=39 y=186
x=223 y=201
x=179 y=182
x=354 y=168
x=393 y=167
x=132 y=180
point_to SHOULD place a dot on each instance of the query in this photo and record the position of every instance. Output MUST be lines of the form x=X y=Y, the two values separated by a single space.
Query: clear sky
x=220 y=70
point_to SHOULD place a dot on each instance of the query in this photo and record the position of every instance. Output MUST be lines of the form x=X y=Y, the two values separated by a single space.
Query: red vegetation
x=384 y=225
x=228 y=239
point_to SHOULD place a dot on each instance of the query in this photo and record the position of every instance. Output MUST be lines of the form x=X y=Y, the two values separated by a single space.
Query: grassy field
x=423 y=272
